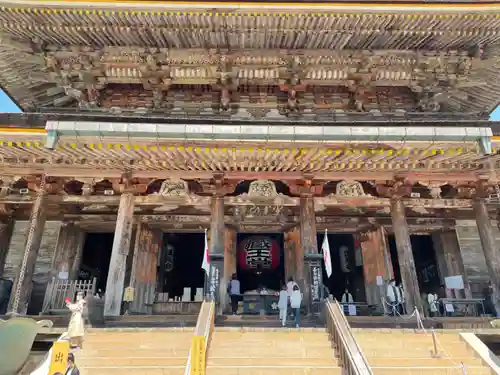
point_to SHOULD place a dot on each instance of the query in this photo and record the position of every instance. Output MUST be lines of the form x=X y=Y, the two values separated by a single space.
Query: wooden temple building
x=143 y=118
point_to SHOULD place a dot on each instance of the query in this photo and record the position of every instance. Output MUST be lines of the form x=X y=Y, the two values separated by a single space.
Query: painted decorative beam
x=154 y=201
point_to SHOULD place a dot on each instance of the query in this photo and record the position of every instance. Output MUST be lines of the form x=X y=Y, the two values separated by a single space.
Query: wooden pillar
x=217 y=229
x=405 y=256
x=449 y=259
x=79 y=242
x=6 y=228
x=161 y=268
x=491 y=252
x=229 y=266
x=309 y=245
x=216 y=244
x=144 y=268
x=23 y=284
x=68 y=253
x=121 y=247
x=376 y=264
x=292 y=247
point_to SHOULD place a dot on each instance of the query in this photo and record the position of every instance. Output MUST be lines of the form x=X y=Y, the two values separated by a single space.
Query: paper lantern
x=259 y=252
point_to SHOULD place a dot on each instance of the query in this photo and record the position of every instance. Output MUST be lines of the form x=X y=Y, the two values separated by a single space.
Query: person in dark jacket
x=72 y=369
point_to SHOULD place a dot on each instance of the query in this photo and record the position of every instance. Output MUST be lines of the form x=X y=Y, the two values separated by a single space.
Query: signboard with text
x=198 y=355
x=59 y=357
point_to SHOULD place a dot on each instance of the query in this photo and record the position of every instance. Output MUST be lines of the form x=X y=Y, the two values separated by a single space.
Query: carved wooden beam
x=398 y=188
x=306 y=187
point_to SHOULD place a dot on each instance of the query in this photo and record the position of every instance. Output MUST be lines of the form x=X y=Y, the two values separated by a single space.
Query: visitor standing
x=76 y=328
x=234 y=293
x=283 y=304
x=295 y=302
x=72 y=369
x=289 y=287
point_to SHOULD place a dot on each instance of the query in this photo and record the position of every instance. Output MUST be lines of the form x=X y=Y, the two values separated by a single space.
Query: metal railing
x=204 y=328
x=351 y=357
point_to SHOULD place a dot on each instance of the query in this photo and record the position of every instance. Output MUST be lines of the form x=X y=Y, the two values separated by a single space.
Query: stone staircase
x=268 y=351
x=407 y=352
x=267 y=321
x=134 y=352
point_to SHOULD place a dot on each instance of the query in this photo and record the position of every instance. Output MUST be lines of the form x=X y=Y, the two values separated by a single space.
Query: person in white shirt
x=347 y=297
x=283 y=304
x=295 y=302
x=234 y=293
x=289 y=287
x=393 y=295
x=432 y=300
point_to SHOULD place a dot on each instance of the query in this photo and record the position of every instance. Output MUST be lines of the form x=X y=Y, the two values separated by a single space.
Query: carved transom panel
x=349 y=189
x=262 y=189
x=174 y=188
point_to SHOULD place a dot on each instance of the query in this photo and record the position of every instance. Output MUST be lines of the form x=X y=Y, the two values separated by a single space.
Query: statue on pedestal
x=76 y=328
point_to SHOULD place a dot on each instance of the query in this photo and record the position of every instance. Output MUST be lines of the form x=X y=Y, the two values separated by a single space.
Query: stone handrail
x=352 y=358
x=204 y=328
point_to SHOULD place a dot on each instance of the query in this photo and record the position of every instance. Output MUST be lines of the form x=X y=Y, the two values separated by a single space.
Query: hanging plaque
x=214 y=283
x=316 y=281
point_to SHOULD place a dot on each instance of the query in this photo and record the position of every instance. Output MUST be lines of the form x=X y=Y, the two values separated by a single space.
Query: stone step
x=275 y=353
x=271 y=361
x=90 y=353
x=275 y=337
x=312 y=333
x=132 y=370
x=416 y=337
x=386 y=353
x=273 y=370
x=133 y=361
x=141 y=336
x=430 y=371
x=424 y=361
x=459 y=347
x=407 y=341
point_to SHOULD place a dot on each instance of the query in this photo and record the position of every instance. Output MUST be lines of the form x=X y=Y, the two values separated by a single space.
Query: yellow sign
x=128 y=295
x=198 y=356
x=59 y=358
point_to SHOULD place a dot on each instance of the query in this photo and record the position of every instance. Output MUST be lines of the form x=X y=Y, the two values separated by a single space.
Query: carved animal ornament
x=174 y=188
x=262 y=189
x=349 y=189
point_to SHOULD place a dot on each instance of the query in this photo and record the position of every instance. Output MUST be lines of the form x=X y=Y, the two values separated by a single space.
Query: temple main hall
x=148 y=127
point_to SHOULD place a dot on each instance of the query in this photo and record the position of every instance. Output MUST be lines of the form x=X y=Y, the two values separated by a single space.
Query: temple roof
x=316 y=57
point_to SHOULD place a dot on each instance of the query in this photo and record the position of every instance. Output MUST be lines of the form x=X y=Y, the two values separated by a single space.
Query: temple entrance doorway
x=424 y=255
x=260 y=261
x=179 y=267
x=96 y=257
x=347 y=266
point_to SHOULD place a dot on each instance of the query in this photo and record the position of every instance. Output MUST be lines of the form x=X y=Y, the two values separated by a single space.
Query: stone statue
x=76 y=329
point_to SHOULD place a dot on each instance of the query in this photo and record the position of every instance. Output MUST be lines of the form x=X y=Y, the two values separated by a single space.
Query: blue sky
x=6 y=105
